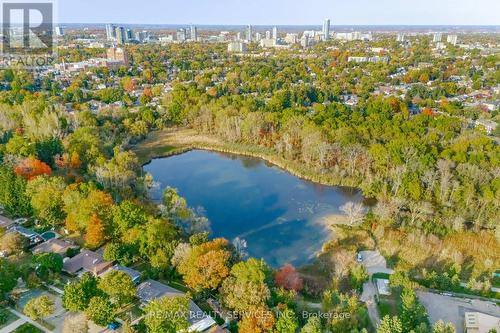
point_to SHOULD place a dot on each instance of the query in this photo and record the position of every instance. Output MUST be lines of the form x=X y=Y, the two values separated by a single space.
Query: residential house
x=87 y=261
x=134 y=275
x=150 y=290
x=33 y=237
x=54 y=245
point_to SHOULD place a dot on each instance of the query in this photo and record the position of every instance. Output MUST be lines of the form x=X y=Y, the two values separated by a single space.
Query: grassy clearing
x=387 y=305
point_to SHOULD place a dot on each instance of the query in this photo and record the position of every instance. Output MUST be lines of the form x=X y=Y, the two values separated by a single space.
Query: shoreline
x=173 y=145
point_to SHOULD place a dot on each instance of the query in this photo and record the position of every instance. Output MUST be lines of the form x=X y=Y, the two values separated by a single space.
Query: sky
x=282 y=12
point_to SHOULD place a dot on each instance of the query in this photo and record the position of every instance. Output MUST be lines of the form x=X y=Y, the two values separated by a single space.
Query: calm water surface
x=283 y=218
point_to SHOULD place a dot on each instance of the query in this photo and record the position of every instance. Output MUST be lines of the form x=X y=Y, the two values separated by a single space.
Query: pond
x=282 y=218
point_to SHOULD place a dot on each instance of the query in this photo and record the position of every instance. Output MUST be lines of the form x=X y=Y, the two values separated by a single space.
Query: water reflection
x=282 y=218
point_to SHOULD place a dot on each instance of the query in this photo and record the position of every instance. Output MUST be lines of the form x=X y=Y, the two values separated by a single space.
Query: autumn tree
x=96 y=232
x=288 y=278
x=206 y=266
x=30 y=168
x=257 y=321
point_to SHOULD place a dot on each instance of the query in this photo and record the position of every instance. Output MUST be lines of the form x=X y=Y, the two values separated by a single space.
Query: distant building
x=326 y=29
x=121 y=35
x=118 y=54
x=194 y=33
x=305 y=41
x=401 y=38
x=110 y=31
x=268 y=43
x=291 y=38
x=181 y=35
x=258 y=36
x=452 y=39
x=268 y=34
x=59 y=31
x=237 y=47
x=249 y=33
x=275 y=33
x=129 y=35
x=368 y=59
x=437 y=37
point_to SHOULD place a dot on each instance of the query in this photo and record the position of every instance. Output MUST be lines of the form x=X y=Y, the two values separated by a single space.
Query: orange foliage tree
x=95 y=232
x=288 y=278
x=206 y=266
x=257 y=321
x=31 y=168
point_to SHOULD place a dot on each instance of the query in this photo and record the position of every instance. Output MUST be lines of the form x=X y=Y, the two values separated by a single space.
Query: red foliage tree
x=31 y=168
x=288 y=278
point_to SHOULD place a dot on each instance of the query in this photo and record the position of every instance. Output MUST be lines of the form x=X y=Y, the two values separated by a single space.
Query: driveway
x=374 y=262
x=452 y=309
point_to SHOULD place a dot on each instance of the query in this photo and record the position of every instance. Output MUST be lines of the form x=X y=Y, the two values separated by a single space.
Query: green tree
x=8 y=277
x=313 y=325
x=126 y=216
x=441 y=327
x=48 y=262
x=39 y=307
x=118 y=286
x=390 y=325
x=167 y=315
x=246 y=286
x=412 y=312
x=46 y=198
x=100 y=310
x=357 y=276
x=78 y=294
x=13 y=193
x=287 y=322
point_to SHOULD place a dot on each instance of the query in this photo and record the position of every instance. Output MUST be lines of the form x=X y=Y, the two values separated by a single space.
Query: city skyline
x=282 y=12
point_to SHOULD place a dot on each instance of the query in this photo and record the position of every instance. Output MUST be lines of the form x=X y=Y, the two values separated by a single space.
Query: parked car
x=114 y=326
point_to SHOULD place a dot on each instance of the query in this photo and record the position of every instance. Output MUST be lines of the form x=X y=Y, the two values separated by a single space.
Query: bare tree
x=355 y=212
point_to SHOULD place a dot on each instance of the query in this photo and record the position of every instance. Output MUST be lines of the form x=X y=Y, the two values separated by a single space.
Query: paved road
x=452 y=309
x=12 y=326
x=368 y=296
x=374 y=262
